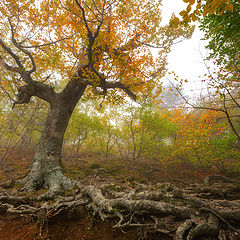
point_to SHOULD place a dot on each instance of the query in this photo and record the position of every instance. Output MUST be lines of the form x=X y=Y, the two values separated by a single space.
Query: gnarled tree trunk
x=46 y=170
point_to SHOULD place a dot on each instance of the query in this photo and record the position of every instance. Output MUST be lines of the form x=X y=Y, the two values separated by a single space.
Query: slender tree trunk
x=46 y=170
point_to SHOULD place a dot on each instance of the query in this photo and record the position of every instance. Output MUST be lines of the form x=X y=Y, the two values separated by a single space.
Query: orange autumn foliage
x=203 y=138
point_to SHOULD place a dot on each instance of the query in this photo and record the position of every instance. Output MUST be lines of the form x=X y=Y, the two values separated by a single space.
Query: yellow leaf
x=220 y=13
x=189 y=8
x=206 y=8
x=194 y=18
x=191 y=2
x=211 y=11
x=197 y=12
x=205 y=11
x=183 y=13
x=229 y=7
x=214 y=3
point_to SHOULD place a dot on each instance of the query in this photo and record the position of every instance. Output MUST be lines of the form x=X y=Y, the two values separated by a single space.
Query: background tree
x=146 y=132
x=222 y=31
x=221 y=28
x=79 y=128
x=203 y=138
x=19 y=129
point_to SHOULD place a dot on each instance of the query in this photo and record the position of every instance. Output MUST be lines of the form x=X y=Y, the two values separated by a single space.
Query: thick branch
x=74 y=90
x=43 y=91
x=84 y=17
x=123 y=87
x=91 y=40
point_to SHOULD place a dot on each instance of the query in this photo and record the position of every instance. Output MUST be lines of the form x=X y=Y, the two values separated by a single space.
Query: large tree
x=60 y=50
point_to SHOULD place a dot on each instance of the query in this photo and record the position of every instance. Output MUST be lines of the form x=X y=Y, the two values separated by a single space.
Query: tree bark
x=46 y=170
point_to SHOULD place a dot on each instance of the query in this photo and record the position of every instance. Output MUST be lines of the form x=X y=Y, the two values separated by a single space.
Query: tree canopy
x=108 y=42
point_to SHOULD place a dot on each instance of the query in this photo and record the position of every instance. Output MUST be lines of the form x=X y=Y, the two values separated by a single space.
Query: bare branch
x=192 y=105
x=233 y=98
x=96 y=7
x=17 y=45
x=84 y=17
x=225 y=110
x=229 y=119
x=7 y=66
x=5 y=91
x=95 y=15
x=49 y=43
x=13 y=55
x=27 y=35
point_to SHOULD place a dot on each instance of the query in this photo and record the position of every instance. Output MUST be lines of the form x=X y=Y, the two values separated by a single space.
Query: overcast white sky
x=185 y=59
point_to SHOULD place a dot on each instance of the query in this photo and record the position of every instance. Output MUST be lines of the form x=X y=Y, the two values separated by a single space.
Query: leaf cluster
x=222 y=31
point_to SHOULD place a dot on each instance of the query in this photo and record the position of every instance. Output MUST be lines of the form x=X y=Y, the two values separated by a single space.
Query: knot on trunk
x=24 y=94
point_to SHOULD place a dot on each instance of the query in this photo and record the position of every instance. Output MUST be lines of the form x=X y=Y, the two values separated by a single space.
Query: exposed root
x=209 y=228
x=14 y=200
x=22 y=209
x=183 y=229
x=210 y=179
x=62 y=204
x=233 y=215
x=219 y=217
x=55 y=190
x=145 y=208
x=54 y=181
x=222 y=235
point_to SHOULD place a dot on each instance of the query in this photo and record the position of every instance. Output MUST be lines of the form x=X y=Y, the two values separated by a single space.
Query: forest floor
x=80 y=223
